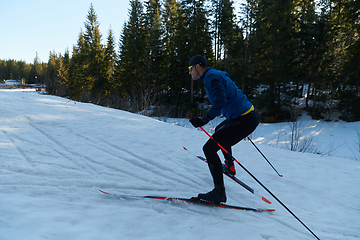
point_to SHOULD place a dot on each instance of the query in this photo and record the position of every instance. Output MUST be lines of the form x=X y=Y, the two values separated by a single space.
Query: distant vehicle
x=12 y=82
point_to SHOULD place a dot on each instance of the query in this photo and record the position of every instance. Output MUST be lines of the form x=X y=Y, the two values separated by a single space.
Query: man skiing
x=241 y=120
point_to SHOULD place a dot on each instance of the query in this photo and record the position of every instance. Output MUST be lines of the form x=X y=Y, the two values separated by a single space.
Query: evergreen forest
x=276 y=51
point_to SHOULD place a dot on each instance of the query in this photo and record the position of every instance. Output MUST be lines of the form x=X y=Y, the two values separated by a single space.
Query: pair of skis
x=195 y=200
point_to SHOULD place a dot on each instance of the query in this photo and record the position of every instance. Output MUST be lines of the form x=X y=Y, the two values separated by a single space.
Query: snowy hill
x=56 y=154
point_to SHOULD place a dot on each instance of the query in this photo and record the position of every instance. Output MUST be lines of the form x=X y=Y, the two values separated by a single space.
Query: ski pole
x=277 y=199
x=264 y=156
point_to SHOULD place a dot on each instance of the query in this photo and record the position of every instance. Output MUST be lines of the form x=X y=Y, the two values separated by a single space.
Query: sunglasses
x=190 y=68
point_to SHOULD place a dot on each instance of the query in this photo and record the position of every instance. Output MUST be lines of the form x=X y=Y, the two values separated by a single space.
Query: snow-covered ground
x=56 y=154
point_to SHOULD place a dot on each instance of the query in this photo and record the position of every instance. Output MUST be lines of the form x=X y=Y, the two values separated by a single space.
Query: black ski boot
x=217 y=195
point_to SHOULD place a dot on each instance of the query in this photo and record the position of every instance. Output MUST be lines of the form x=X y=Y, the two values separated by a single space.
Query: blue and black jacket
x=224 y=95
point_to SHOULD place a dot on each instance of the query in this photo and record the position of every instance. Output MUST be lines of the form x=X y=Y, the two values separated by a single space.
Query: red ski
x=193 y=200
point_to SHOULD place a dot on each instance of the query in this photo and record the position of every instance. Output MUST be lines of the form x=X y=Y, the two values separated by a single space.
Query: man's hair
x=198 y=59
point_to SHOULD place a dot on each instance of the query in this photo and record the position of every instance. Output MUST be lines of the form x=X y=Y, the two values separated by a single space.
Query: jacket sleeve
x=217 y=90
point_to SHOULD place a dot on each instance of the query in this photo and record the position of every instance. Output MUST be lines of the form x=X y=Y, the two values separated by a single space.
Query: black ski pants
x=227 y=134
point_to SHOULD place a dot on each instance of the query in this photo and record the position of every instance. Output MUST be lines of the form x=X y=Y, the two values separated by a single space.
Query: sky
x=43 y=26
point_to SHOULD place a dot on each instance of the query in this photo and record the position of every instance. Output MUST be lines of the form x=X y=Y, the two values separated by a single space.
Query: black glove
x=199 y=122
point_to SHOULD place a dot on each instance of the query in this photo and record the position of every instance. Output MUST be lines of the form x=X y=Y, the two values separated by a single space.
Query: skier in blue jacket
x=241 y=120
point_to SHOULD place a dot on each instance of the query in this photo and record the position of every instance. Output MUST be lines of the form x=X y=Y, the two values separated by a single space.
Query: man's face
x=194 y=73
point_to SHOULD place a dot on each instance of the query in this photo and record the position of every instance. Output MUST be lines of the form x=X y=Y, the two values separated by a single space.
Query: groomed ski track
x=56 y=154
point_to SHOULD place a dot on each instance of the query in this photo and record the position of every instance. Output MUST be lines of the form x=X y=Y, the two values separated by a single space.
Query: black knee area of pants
x=210 y=148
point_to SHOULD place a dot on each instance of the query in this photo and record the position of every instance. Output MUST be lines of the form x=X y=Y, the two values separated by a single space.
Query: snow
x=55 y=155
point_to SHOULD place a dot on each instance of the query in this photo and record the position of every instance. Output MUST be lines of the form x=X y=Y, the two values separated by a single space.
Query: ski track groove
x=133 y=161
x=73 y=154
x=89 y=168
x=27 y=158
x=342 y=232
x=35 y=162
x=71 y=157
x=152 y=165
x=183 y=167
x=140 y=162
x=92 y=170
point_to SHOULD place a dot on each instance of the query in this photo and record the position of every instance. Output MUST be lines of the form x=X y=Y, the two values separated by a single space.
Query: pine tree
x=352 y=70
x=197 y=31
x=176 y=79
x=215 y=13
x=172 y=44
x=171 y=17
x=110 y=61
x=308 y=52
x=62 y=73
x=87 y=71
x=349 y=92
x=36 y=75
x=194 y=38
x=77 y=70
x=332 y=34
x=154 y=64
x=229 y=31
x=55 y=74
x=232 y=42
x=275 y=53
x=12 y=69
x=132 y=56
x=51 y=75
x=248 y=13
x=249 y=84
x=97 y=81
